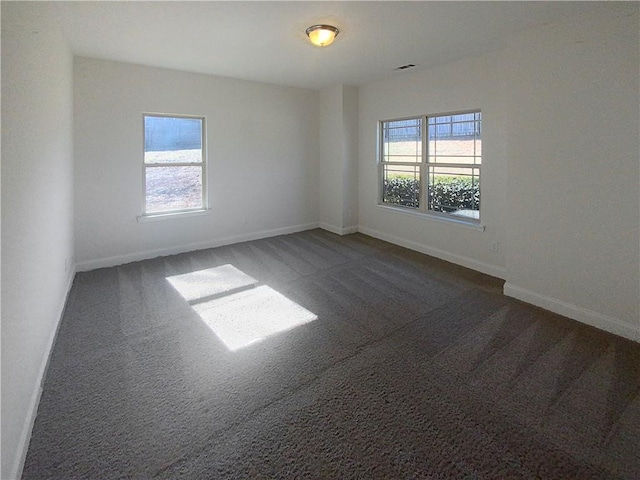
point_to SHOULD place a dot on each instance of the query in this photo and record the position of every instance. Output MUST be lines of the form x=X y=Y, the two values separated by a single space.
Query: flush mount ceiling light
x=322 y=35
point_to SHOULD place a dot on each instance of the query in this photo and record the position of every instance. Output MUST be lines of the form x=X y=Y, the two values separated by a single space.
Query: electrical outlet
x=494 y=246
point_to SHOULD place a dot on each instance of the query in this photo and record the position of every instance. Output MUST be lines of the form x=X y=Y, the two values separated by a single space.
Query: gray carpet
x=413 y=368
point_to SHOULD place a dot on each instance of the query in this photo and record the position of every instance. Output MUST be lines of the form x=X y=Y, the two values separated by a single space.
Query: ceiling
x=265 y=41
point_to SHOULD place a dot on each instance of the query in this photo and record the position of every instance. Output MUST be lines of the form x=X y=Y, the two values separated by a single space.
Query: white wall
x=469 y=84
x=560 y=178
x=262 y=149
x=37 y=213
x=573 y=189
x=338 y=163
x=351 y=128
x=331 y=199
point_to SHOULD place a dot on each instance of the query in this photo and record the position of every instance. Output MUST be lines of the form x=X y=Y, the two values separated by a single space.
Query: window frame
x=423 y=165
x=204 y=207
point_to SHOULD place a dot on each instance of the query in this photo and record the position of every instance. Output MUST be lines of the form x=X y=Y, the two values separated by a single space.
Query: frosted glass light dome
x=322 y=35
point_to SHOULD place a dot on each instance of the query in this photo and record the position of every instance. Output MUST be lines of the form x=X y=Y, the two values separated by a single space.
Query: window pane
x=172 y=139
x=174 y=156
x=173 y=188
x=455 y=139
x=401 y=185
x=463 y=117
x=402 y=141
x=455 y=191
x=403 y=152
x=402 y=129
x=455 y=147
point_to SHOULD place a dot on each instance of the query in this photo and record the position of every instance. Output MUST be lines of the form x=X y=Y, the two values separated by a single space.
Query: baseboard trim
x=219 y=242
x=467 y=262
x=583 y=315
x=338 y=230
x=32 y=412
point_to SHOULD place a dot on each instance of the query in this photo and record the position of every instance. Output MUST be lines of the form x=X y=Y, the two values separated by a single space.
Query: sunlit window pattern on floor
x=238 y=310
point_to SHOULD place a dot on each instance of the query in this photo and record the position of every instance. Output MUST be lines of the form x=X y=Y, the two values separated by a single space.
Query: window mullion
x=203 y=170
x=174 y=164
x=381 y=162
x=458 y=165
x=424 y=171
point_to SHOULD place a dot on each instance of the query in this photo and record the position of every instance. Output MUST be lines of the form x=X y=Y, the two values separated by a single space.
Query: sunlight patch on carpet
x=202 y=284
x=239 y=310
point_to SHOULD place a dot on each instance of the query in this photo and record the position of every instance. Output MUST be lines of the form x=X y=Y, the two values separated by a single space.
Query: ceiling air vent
x=404 y=67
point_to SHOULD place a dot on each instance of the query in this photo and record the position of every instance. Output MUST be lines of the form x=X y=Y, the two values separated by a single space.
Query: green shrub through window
x=433 y=164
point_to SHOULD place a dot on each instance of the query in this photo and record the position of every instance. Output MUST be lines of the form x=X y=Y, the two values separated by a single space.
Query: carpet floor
x=318 y=356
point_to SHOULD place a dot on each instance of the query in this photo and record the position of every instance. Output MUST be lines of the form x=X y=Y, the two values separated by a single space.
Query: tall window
x=432 y=164
x=174 y=164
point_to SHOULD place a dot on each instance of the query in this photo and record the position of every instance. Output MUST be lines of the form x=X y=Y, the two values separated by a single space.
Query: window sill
x=169 y=215
x=473 y=225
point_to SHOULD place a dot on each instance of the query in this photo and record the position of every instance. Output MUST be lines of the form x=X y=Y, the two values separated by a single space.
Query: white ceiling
x=265 y=41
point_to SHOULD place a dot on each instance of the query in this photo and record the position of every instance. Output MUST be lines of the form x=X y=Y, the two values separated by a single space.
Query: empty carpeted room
x=320 y=240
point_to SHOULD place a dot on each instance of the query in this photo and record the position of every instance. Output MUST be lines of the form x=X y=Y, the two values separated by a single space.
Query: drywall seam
x=32 y=412
x=113 y=261
x=583 y=315
x=482 y=267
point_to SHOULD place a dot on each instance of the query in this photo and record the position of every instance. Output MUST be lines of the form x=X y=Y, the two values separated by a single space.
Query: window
x=432 y=164
x=174 y=164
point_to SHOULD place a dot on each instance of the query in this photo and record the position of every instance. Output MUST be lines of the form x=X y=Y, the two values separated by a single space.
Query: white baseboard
x=218 y=242
x=595 y=319
x=482 y=267
x=338 y=230
x=34 y=402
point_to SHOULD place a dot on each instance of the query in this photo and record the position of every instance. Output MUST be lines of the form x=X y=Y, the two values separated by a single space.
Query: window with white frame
x=174 y=164
x=432 y=164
